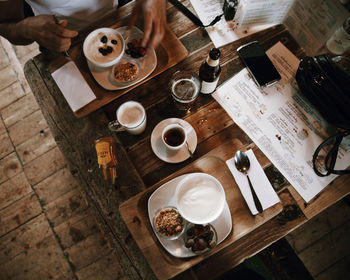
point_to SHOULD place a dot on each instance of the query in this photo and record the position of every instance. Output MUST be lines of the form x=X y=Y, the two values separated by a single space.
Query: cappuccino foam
x=130 y=116
x=95 y=44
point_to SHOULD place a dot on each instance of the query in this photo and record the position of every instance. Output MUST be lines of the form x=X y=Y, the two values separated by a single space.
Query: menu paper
x=285 y=127
x=223 y=32
x=311 y=22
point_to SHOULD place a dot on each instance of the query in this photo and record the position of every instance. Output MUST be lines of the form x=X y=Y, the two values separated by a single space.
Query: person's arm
x=154 y=13
x=43 y=28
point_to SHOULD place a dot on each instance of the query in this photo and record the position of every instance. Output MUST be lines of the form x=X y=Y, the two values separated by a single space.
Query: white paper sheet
x=223 y=32
x=281 y=123
x=73 y=86
x=311 y=23
x=263 y=188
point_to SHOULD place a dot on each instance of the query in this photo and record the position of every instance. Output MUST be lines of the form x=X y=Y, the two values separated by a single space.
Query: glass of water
x=184 y=88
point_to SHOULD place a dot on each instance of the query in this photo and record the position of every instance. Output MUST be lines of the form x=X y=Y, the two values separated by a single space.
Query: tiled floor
x=46 y=229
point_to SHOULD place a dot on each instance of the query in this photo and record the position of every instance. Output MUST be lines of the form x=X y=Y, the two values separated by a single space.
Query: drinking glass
x=184 y=88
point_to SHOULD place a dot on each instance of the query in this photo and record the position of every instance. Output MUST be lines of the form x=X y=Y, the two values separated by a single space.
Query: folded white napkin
x=73 y=86
x=261 y=184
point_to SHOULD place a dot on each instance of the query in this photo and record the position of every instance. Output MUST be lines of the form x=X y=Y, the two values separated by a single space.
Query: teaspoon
x=243 y=164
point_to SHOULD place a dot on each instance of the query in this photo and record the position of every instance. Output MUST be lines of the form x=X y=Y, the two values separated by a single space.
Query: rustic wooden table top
x=139 y=169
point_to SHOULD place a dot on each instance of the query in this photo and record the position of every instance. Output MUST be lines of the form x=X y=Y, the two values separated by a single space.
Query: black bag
x=327 y=86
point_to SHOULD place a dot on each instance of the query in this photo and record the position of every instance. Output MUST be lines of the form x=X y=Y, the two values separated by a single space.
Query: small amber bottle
x=209 y=72
x=106 y=159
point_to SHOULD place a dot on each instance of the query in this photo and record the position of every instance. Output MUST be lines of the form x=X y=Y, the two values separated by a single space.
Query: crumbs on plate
x=125 y=72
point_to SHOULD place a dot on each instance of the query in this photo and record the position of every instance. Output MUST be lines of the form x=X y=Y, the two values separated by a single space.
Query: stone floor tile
x=15 y=64
x=45 y=260
x=2 y=126
x=4 y=59
x=24 y=238
x=19 y=109
x=36 y=146
x=27 y=128
x=88 y=251
x=19 y=213
x=13 y=190
x=10 y=94
x=317 y=227
x=6 y=146
x=327 y=251
x=106 y=268
x=24 y=53
x=65 y=207
x=55 y=186
x=76 y=229
x=44 y=166
x=9 y=167
x=7 y=77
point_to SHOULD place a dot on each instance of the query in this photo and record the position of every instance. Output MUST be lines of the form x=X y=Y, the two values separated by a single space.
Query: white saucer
x=164 y=196
x=163 y=152
x=146 y=64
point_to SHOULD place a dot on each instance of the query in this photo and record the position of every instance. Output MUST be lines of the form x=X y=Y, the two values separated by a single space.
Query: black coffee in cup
x=174 y=137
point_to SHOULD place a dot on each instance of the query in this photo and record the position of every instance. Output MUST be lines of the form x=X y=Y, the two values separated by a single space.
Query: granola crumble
x=169 y=222
x=125 y=72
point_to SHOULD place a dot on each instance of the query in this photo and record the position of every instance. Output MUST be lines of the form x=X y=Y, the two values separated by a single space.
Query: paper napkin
x=73 y=86
x=261 y=184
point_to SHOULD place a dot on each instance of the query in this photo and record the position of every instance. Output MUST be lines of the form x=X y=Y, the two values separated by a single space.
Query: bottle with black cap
x=209 y=72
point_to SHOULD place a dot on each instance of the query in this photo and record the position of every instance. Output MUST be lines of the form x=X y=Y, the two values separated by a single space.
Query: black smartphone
x=258 y=64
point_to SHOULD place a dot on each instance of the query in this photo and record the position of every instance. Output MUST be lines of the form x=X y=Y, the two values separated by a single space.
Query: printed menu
x=285 y=127
x=311 y=22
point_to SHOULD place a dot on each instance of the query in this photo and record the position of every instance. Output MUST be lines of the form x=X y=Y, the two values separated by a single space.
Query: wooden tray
x=134 y=213
x=170 y=52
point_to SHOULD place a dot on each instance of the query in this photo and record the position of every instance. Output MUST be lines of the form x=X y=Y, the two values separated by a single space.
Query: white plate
x=166 y=154
x=164 y=196
x=103 y=75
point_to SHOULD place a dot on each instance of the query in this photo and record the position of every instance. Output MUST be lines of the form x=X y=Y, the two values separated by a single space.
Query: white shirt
x=79 y=13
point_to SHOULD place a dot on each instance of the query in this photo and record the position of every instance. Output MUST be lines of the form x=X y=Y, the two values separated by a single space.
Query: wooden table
x=140 y=170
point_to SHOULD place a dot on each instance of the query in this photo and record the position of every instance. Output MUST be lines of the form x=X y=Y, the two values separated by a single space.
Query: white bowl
x=92 y=43
x=200 y=198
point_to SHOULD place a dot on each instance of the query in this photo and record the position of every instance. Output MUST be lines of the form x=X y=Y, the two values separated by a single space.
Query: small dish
x=133 y=76
x=162 y=152
x=200 y=239
x=168 y=223
x=93 y=44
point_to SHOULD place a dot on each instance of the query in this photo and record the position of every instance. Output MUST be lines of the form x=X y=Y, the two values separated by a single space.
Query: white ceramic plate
x=167 y=155
x=165 y=196
x=146 y=64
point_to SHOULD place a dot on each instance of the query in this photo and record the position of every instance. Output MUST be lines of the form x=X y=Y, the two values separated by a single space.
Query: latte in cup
x=132 y=117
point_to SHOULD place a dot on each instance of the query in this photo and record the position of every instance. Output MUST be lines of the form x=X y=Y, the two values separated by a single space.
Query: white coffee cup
x=174 y=136
x=200 y=198
x=131 y=117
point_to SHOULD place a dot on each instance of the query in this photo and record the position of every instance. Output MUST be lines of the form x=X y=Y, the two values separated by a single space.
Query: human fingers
x=147 y=29
x=61 y=30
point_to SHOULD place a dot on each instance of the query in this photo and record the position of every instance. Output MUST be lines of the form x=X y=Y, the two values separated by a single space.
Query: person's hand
x=154 y=13
x=48 y=32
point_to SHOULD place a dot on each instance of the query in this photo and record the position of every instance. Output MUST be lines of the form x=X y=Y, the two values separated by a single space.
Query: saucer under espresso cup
x=131 y=117
x=170 y=155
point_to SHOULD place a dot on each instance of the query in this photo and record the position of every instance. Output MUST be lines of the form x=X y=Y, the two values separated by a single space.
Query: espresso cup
x=174 y=136
x=131 y=117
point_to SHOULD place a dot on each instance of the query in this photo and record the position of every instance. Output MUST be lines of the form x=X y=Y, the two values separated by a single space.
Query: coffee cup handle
x=115 y=126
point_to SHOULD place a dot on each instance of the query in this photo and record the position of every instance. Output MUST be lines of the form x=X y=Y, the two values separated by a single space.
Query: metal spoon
x=243 y=164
